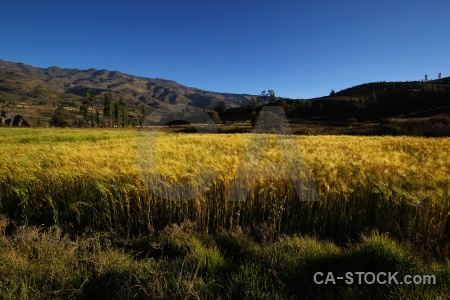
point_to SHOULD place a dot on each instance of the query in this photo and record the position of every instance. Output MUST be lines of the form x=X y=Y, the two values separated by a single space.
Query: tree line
x=114 y=113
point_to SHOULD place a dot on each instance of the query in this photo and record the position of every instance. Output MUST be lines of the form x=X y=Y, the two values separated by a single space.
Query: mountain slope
x=35 y=93
x=22 y=82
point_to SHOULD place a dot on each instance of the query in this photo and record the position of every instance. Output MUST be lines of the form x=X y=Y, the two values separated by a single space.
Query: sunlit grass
x=91 y=178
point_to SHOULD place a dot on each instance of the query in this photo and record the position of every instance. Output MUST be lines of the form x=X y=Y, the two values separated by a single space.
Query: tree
x=439 y=75
x=142 y=115
x=426 y=77
x=58 y=119
x=215 y=117
x=253 y=103
x=116 y=113
x=332 y=92
x=97 y=119
x=84 y=110
x=90 y=100
x=267 y=120
x=108 y=107
x=262 y=98
x=123 y=113
x=254 y=118
x=271 y=95
x=221 y=108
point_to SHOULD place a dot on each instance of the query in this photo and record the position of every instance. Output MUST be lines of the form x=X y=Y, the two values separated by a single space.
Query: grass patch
x=38 y=263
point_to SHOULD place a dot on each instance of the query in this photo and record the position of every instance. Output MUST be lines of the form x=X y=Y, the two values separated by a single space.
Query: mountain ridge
x=409 y=107
x=135 y=90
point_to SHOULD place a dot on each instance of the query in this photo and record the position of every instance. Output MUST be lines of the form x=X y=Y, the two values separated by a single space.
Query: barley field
x=78 y=179
x=94 y=214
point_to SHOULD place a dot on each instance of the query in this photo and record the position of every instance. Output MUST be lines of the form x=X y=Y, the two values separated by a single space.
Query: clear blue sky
x=300 y=49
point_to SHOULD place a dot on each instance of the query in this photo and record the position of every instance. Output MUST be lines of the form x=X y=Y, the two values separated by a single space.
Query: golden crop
x=93 y=178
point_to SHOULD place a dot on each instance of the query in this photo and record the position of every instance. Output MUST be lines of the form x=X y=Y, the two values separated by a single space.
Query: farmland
x=83 y=192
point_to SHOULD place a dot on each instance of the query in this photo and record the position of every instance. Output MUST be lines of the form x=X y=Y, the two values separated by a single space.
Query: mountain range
x=31 y=94
x=20 y=82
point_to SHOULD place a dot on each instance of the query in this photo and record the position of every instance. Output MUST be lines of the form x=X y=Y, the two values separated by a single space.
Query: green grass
x=38 y=263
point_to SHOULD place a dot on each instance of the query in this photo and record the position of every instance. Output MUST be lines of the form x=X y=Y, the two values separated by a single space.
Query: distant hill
x=378 y=100
x=23 y=83
x=420 y=108
x=415 y=107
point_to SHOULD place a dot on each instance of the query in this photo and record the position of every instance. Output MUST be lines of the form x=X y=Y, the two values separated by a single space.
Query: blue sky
x=300 y=49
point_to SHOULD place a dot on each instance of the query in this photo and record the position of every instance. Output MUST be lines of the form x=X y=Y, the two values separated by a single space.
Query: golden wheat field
x=76 y=179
